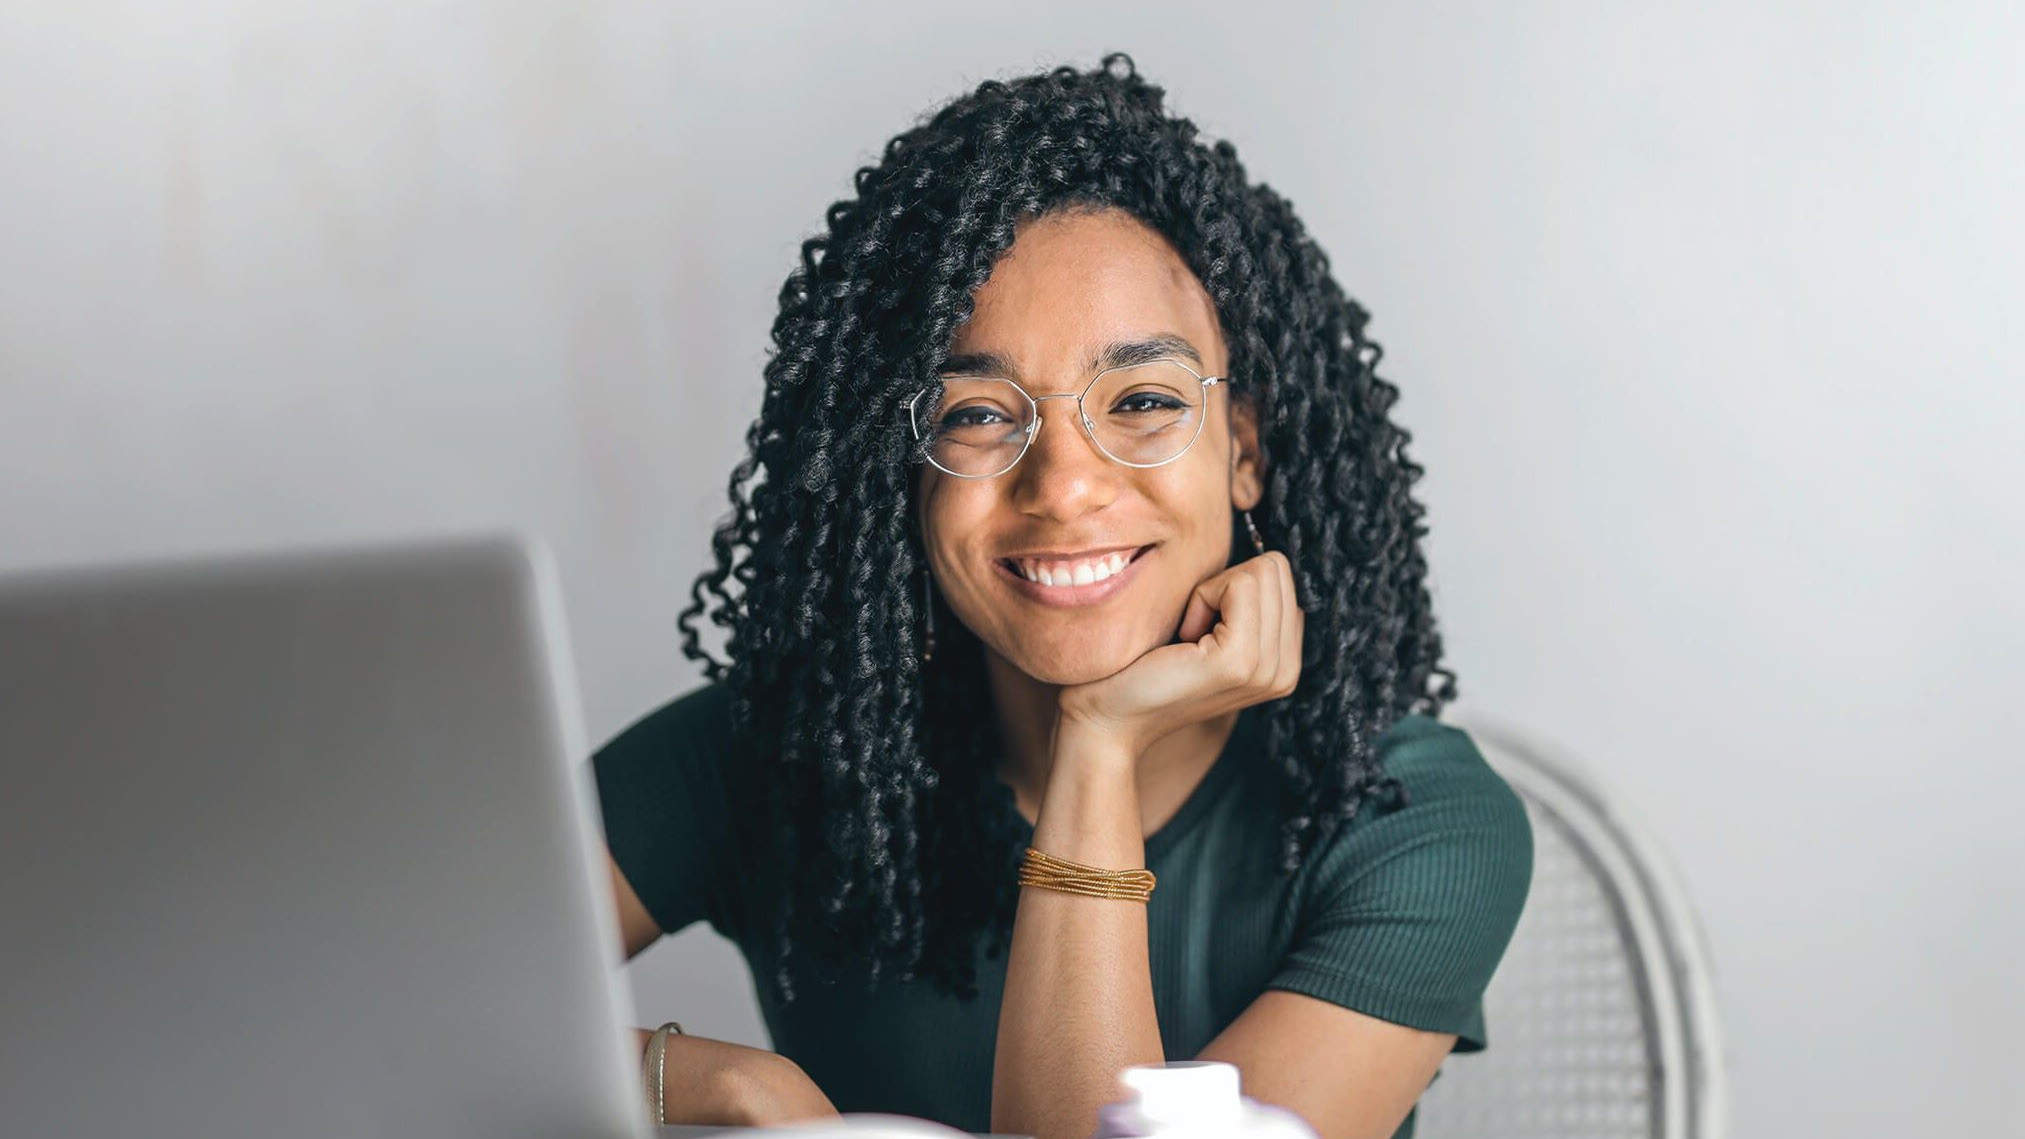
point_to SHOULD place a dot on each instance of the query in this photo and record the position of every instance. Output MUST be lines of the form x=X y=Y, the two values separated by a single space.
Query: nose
x=1062 y=475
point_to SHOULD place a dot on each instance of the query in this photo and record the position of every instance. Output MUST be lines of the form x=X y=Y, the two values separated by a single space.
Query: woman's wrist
x=1089 y=810
x=722 y=1084
x=1092 y=746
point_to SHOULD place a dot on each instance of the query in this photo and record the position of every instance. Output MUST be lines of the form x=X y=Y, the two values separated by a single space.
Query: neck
x=1167 y=772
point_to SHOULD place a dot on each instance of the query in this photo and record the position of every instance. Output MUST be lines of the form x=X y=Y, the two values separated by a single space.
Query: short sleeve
x=1409 y=912
x=667 y=810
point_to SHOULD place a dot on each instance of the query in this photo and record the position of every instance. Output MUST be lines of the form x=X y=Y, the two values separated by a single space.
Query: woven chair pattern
x=1602 y=1017
x=1568 y=1056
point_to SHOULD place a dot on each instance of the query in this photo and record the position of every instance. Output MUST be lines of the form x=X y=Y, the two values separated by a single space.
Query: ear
x=1247 y=461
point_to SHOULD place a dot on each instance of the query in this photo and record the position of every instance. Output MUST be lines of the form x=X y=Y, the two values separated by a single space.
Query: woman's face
x=1073 y=285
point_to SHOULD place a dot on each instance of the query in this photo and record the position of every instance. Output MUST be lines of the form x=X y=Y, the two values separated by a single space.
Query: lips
x=1073 y=579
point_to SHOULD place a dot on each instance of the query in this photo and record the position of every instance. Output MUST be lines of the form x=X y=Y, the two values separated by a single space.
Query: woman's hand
x=730 y=1085
x=1240 y=644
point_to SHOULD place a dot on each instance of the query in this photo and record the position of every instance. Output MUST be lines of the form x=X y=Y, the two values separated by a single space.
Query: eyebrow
x=1117 y=354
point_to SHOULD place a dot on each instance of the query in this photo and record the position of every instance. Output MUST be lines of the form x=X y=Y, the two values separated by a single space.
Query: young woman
x=1075 y=548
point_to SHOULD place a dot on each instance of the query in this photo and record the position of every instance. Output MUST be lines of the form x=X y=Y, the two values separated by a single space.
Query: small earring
x=1253 y=529
x=928 y=617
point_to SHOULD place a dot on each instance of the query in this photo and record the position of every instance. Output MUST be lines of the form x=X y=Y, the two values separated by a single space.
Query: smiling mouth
x=1062 y=573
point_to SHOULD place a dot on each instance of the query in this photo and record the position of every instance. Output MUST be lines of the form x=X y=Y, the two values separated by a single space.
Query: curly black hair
x=891 y=843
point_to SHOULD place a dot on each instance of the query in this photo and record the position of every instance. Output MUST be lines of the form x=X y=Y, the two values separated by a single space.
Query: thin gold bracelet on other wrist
x=1051 y=873
x=656 y=1074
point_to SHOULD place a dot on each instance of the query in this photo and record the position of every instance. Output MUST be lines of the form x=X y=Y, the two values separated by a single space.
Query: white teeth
x=1078 y=573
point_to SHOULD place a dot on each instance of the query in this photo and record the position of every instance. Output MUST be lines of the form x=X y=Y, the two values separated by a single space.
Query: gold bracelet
x=1051 y=873
x=657 y=1070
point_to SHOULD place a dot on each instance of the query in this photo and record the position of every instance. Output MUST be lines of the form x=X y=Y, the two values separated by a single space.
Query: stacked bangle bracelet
x=655 y=1071
x=1051 y=873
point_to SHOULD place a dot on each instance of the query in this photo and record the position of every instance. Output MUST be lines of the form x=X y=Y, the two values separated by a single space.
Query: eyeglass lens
x=1145 y=414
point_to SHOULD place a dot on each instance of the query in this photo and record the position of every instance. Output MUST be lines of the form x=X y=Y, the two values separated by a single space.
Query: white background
x=1707 y=320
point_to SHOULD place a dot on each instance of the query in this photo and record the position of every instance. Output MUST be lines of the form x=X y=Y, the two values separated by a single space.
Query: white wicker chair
x=1602 y=1017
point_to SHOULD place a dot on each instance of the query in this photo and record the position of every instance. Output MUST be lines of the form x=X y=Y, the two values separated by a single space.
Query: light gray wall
x=1701 y=314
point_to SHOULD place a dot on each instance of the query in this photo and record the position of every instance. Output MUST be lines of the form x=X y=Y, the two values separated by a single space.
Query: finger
x=1295 y=623
x=1205 y=604
x=1197 y=616
x=1233 y=645
x=1271 y=628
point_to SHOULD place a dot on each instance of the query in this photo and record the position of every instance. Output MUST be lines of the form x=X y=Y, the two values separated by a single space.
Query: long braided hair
x=890 y=842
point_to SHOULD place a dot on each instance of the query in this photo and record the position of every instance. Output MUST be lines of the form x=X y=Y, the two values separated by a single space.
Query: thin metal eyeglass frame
x=1033 y=430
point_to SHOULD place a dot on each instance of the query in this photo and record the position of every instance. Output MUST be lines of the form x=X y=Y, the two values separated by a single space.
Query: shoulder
x=683 y=738
x=674 y=761
x=1407 y=910
x=1447 y=780
x=1459 y=822
x=668 y=807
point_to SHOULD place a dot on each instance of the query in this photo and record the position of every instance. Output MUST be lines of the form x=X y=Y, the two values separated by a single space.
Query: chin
x=1076 y=664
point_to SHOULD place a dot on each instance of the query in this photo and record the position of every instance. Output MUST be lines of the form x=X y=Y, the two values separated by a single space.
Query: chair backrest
x=1602 y=1017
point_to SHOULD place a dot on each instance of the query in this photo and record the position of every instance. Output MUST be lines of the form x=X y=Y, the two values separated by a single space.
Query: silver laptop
x=303 y=845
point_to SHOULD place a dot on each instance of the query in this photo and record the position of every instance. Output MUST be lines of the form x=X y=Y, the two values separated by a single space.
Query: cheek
x=954 y=518
x=1199 y=509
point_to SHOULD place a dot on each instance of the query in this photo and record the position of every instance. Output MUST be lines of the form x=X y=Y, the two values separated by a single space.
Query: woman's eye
x=976 y=415
x=1148 y=401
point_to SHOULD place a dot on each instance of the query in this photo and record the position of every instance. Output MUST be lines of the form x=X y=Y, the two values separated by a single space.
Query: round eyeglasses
x=1141 y=415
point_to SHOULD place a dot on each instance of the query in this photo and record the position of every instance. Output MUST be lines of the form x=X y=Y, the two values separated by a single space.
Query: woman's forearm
x=713 y=1082
x=1078 y=1003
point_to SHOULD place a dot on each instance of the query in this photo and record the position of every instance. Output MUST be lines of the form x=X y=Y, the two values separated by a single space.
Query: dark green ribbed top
x=1401 y=915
